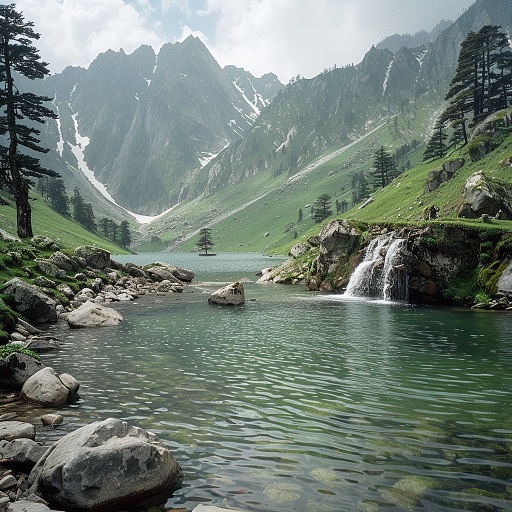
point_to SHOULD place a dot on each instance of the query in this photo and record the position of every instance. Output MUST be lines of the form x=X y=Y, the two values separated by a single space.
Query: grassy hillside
x=47 y=222
x=261 y=214
x=404 y=199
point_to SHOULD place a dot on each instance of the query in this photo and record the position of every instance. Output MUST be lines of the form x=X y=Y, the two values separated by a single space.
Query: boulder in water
x=90 y=314
x=231 y=295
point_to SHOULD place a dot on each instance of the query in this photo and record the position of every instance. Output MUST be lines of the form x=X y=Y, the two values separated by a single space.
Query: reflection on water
x=298 y=401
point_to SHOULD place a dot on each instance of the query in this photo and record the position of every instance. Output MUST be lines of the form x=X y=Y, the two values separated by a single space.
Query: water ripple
x=292 y=402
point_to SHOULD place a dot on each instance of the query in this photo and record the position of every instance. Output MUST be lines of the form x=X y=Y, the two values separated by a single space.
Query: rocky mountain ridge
x=148 y=127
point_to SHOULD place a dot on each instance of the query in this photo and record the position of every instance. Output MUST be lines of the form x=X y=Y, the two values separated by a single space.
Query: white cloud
x=74 y=32
x=187 y=31
x=292 y=37
x=288 y=37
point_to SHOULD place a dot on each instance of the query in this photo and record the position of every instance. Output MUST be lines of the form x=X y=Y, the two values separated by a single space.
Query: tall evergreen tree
x=18 y=55
x=321 y=208
x=483 y=79
x=82 y=211
x=436 y=147
x=125 y=237
x=56 y=193
x=384 y=167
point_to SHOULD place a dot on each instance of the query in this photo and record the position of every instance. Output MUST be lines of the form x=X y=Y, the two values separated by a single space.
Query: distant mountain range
x=153 y=130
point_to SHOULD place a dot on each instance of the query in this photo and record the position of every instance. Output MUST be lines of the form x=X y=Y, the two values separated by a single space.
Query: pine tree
x=82 y=211
x=483 y=79
x=125 y=237
x=436 y=147
x=56 y=193
x=384 y=168
x=18 y=55
x=205 y=242
x=321 y=208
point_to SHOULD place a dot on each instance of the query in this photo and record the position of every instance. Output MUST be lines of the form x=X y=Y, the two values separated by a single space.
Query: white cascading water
x=381 y=274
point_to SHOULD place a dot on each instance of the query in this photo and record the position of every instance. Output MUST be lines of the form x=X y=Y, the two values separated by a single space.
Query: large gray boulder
x=31 y=301
x=48 y=268
x=94 y=256
x=180 y=273
x=106 y=465
x=231 y=295
x=49 y=389
x=484 y=197
x=91 y=314
x=160 y=272
x=17 y=368
x=27 y=506
x=299 y=249
x=437 y=177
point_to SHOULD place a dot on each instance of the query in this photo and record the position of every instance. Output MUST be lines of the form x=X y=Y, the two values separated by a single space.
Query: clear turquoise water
x=299 y=401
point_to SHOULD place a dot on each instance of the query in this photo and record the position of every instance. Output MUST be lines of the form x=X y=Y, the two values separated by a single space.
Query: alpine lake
x=300 y=401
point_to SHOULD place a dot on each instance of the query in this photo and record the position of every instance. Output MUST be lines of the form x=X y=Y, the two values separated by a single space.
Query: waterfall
x=381 y=274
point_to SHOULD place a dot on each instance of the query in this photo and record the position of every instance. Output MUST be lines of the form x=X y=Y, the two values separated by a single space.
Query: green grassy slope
x=241 y=222
x=404 y=199
x=47 y=222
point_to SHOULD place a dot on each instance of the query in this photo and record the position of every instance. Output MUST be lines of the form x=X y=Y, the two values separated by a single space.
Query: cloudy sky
x=287 y=37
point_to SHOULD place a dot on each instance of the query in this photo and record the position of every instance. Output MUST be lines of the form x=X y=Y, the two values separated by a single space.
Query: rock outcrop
x=504 y=286
x=482 y=196
x=338 y=240
x=91 y=314
x=49 y=389
x=231 y=295
x=17 y=368
x=439 y=176
x=30 y=301
x=94 y=257
x=106 y=465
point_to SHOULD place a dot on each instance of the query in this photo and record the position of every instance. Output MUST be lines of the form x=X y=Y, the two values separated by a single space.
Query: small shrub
x=11 y=348
x=462 y=289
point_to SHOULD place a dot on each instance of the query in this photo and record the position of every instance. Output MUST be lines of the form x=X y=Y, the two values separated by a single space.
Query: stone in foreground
x=231 y=295
x=31 y=301
x=106 y=465
x=91 y=314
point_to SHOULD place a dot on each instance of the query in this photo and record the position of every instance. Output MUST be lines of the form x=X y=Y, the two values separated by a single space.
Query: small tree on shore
x=205 y=241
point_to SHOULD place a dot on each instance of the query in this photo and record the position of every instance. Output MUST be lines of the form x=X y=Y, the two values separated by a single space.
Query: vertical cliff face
x=144 y=124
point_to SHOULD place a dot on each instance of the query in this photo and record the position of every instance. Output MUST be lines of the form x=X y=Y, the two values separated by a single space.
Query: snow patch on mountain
x=78 y=152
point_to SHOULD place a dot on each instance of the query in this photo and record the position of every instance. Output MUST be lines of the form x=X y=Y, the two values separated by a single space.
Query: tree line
x=481 y=86
x=54 y=191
